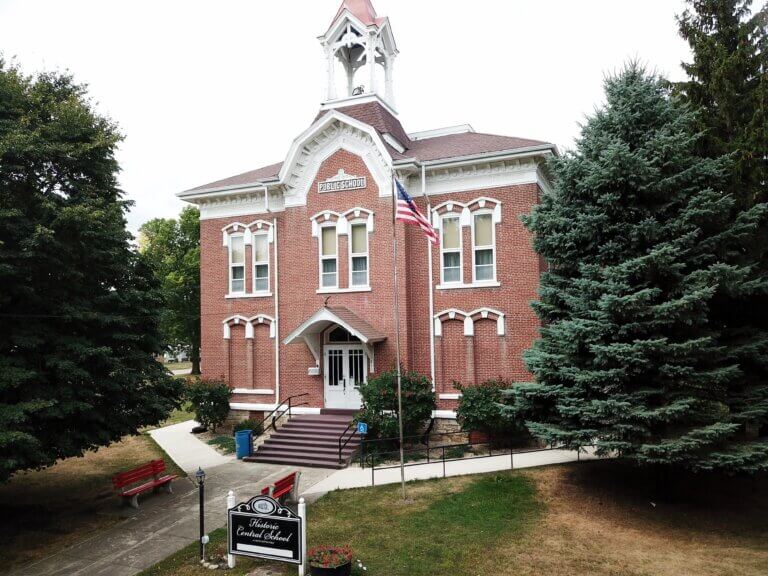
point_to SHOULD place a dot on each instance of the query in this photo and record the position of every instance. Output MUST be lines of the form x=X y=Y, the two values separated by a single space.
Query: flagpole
x=397 y=333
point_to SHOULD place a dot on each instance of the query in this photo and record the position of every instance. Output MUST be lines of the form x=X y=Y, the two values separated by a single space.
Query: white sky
x=206 y=90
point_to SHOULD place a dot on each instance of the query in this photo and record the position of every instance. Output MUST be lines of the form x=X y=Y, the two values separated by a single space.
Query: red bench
x=285 y=489
x=149 y=476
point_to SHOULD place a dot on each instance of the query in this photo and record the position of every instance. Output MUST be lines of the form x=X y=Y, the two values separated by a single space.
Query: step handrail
x=345 y=442
x=274 y=415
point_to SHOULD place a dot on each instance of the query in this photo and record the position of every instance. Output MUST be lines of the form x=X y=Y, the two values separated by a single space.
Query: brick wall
x=486 y=353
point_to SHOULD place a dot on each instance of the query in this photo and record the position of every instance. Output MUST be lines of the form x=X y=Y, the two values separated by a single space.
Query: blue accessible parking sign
x=362 y=428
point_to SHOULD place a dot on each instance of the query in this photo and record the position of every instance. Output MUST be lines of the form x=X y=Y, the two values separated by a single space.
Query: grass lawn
x=576 y=520
x=225 y=443
x=44 y=511
x=178 y=365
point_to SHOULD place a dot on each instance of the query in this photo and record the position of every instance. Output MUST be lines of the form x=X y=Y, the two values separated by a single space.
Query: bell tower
x=360 y=53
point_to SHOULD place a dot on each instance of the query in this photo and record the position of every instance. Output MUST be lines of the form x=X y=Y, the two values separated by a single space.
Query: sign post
x=262 y=528
x=230 y=505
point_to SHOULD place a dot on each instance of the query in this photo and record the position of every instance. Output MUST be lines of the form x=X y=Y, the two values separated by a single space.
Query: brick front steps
x=309 y=440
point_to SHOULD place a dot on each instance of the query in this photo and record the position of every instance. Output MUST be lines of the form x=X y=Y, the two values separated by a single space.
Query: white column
x=331 y=77
x=230 y=505
x=388 y=78
x=371 y=61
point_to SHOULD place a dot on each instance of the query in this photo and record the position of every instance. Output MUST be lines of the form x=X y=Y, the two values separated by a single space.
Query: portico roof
x=327 y=316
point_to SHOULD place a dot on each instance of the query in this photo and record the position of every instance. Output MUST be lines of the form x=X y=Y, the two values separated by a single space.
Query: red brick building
x=297 y=257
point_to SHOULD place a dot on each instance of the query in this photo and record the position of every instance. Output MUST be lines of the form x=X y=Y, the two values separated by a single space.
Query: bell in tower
x=360 y=52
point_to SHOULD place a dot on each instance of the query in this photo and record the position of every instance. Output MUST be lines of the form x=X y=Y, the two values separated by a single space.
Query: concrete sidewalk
x=166 y=523
x=186 y=449
x=355 y=477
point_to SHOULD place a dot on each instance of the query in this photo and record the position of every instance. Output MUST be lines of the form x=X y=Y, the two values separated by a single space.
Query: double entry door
x=346 y=367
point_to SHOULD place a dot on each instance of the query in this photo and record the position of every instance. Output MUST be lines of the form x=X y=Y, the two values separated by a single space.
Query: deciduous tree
x=79 y=306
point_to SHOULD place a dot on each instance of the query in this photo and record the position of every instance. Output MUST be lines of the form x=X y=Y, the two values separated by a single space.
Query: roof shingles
x=428 y=149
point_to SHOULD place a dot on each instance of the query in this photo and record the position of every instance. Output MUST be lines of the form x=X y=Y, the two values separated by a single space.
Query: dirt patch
x=44 y=511
x=606 y=520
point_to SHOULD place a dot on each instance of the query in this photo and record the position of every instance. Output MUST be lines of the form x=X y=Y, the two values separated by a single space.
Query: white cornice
x=448 y=130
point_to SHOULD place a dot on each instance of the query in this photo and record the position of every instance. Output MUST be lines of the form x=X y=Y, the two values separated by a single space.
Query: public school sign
x=341 y=182
x=261 y=528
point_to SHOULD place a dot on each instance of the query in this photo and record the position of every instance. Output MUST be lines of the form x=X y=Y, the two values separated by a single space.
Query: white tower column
x=389 y=63
x=371 y=60
x=329 y=56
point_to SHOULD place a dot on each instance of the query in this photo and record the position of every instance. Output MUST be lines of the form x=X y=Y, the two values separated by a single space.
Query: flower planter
x=344 y=570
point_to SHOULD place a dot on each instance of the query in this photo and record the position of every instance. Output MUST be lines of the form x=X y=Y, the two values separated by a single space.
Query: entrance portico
x=342 y=345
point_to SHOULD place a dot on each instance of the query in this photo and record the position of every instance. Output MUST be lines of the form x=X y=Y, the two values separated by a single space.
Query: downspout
x=277 y=314
x=431 y=288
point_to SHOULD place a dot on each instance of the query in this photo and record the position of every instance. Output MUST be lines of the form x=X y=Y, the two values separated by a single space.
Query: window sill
x=253 y=391
x=343 y=290
x=473 y=285
x=253 y=295
x=449 y=396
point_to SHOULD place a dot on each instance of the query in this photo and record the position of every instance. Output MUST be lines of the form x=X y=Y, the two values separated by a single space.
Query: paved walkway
x=166 y=523
x=186 y=449
x=355 y=477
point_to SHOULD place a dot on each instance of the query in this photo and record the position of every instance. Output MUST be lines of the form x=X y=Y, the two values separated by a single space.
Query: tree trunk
x=195 y=360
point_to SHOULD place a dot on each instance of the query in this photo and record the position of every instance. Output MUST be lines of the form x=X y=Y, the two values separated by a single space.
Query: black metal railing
x=345 y=437
x=371 y=446
x=285 y=410
x=372 y=457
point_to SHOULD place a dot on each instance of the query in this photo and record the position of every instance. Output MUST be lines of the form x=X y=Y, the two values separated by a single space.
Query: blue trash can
x=243 y=443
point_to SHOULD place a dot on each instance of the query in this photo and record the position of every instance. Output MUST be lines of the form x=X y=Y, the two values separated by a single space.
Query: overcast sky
x=205 y=90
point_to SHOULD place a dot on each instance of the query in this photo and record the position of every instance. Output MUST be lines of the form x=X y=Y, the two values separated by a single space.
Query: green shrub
x=380 y=410
x=249 y=424
x=210 y=402
x=480 y=409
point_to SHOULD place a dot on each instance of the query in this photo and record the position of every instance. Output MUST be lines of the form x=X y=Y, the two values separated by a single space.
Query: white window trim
x=367 y=255
x=321 y=257
x=255 y=292
x=231 y=265
x=443 y=251
x=493 y=280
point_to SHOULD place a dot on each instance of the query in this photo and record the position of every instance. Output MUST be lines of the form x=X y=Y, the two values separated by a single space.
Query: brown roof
x=465 y=144
x=357 y=324
x=376 y=116
x=245 y=178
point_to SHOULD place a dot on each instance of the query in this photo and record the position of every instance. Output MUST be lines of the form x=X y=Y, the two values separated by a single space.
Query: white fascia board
x=337 y=24
x=446 y=131
x=251 y=188
x=319 y=126
x=394 y=142
x=483 y=158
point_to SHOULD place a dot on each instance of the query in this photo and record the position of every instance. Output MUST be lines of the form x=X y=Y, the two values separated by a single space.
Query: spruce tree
x=728 y=85
x=640 y=239
x=79 y=306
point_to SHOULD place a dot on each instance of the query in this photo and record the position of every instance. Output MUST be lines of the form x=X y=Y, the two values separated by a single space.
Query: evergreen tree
x=640 y=239
x=173 y=246
x=728 y=84
x=78 y=306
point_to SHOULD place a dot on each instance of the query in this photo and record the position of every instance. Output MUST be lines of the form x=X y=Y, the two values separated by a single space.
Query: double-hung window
x=359 y=255
x=260 y=263
x=329 y=265
x=236 y=264
x=484 y=248
x=451 y=250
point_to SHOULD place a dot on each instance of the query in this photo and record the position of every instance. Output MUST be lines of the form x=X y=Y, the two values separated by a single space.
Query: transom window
x=451 y=249
x=236 y=264
x=484 y=247
x=358 y=248
x=339 y=335
x=260 y=263
x=329 y=265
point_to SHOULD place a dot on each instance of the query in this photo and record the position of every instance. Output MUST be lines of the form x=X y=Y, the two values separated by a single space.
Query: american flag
x=408 y=212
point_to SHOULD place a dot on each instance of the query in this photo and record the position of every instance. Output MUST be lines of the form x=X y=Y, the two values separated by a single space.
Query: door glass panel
x=356 y=368
x=335 y=367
